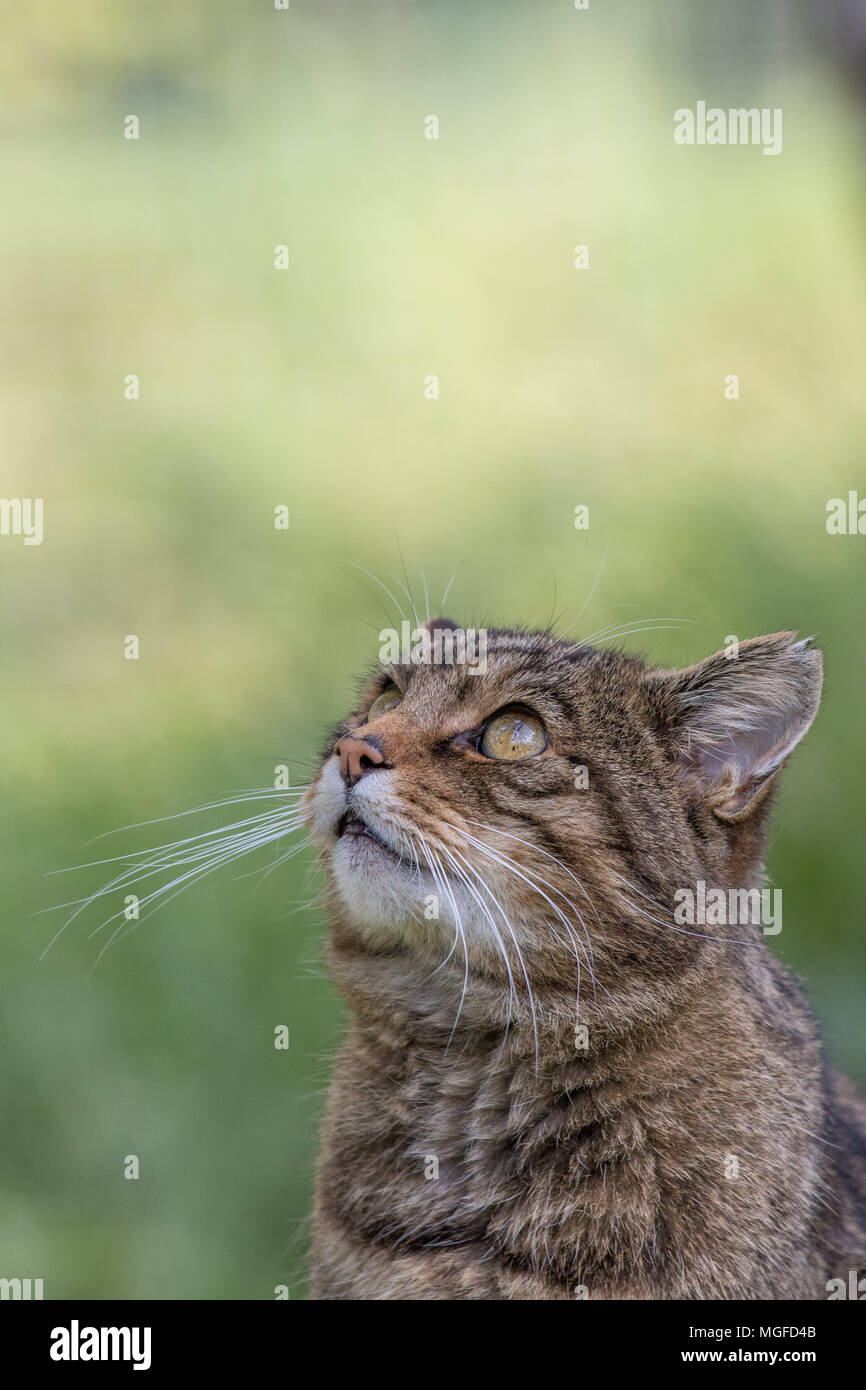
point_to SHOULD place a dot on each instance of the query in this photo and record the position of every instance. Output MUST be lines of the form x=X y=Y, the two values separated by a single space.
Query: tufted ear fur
x=736 y=716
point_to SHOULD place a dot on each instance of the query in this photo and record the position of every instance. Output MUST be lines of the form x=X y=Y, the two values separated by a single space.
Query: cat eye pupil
x=513 y=734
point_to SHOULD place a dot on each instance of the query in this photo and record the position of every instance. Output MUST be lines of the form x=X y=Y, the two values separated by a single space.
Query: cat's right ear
x=734 y=718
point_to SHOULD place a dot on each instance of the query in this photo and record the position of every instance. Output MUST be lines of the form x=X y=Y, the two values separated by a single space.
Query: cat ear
x=433 y=623
x=736 y=716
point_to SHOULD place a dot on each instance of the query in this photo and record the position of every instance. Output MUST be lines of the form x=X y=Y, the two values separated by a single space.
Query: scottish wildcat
x=548 y=1088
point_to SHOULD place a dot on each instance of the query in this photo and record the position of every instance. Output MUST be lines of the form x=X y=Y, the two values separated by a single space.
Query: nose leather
x=357 y=756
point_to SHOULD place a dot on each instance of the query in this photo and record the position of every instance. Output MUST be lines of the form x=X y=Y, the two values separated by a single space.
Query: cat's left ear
x=433 y=623
x=734 y=718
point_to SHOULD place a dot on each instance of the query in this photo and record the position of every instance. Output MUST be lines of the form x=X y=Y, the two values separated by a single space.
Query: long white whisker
x=408 y=593
x=204 y=851
x=669 y=926
x=265 y=818
x=426 y=595
x=256 y=794
x=441 y=878
x=533 y=880
x=464 y=879
x=634 y=624
x=513 y=936
x=447 y=592
x=178 y=884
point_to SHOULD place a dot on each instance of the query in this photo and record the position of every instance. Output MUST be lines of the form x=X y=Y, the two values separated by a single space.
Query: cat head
x=531 y=822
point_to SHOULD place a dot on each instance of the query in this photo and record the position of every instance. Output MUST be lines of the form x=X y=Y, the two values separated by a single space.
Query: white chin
x=390 y=900
x=377 y=889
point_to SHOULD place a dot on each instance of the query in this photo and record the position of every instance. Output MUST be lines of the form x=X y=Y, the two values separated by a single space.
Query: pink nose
x=357 y=756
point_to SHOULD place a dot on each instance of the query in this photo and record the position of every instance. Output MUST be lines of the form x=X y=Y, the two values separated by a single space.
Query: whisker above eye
x=426 y=596
x=637 y=625
x=590 y=594
x=444 y=598
x=382 y=585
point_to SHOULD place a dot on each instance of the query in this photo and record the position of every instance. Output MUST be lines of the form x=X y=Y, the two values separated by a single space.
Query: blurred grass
x=409 y=257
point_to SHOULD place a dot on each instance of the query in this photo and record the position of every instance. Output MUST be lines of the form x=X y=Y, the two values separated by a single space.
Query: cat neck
x=409 y=999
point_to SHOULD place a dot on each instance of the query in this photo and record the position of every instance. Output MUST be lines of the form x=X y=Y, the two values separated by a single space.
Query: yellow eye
x=513 y=734
x=387 y=700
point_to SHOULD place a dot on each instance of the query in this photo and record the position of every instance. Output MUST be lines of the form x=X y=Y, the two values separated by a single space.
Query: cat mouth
x=352 y=829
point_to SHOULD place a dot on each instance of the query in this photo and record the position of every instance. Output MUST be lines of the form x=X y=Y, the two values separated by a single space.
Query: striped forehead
x=517 y=666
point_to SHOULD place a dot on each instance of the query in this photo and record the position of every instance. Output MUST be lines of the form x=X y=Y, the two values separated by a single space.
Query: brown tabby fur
x=564 y=1173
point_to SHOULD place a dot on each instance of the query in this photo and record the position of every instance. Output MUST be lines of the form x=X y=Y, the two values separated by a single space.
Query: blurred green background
x=305 y=387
